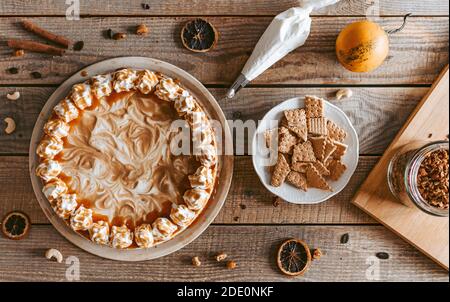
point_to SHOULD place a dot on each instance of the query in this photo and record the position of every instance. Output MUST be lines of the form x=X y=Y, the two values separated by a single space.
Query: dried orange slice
x=16 y=225
x=294 y=257
x=199 y=35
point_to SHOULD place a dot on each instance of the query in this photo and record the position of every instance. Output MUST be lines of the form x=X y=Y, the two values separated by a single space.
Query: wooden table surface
x=249 y=228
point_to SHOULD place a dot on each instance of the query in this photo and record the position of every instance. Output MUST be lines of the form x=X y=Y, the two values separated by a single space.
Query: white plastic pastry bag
x=288 y=30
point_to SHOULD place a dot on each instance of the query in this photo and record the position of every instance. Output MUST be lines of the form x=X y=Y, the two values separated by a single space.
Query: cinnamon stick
x=35 y=47
x=31 y=27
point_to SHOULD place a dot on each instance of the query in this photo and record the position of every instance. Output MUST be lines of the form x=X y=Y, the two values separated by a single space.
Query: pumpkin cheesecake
x=108 y=165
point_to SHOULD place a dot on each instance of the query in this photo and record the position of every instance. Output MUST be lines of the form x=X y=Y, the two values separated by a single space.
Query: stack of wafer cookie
x=310 y=148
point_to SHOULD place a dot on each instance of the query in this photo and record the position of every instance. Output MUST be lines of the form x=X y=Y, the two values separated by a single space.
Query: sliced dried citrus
x=15 y=225
x=199 y=35
x=294 y=257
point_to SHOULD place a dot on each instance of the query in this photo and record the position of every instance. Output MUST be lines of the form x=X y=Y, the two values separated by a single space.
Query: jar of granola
x=418 y=176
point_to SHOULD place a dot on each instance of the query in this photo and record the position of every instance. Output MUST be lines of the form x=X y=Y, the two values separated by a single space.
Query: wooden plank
x=218 y=7
x=248 y=201
x=377 y=113
x=416 y=56
x=255 y=258
x=426 y=232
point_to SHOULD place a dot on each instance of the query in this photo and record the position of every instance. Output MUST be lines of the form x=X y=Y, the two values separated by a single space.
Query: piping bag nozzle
x=240 y=82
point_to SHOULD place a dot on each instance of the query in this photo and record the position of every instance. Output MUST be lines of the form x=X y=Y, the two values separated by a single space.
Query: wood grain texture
x=248 y=201
x=255 y=258
x=416 y=57
x=218 y=7
x=376 y=113
x=416 y=54
x=428 y=233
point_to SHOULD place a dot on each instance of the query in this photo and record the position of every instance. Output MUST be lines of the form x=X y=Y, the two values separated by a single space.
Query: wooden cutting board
x=427 y=233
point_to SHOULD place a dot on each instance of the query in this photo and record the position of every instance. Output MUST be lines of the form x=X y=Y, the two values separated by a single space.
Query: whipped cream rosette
x=163 y=229
x=99 y=232
x=54 y=189
x=121 y=237
x=48 y=169
x=56 y=128
x=81 y=219
x=49 y=147
x=146 y=81
x=168 y=90
x=182 y=215
x=101 y=85
x=143 y=235
x=66 y=110
x=207 y=155
x=196 y=198
x=82 y=96
x=203 y=178
x=124 y=80
x=107 y=164
x=66 y=205
x=185 y=103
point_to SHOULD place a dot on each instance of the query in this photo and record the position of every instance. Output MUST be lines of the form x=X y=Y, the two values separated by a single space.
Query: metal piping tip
x=240 y=82
x=231 y=93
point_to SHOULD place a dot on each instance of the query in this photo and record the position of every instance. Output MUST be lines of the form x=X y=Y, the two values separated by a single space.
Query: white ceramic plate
x=287 y=191
x=225 y=162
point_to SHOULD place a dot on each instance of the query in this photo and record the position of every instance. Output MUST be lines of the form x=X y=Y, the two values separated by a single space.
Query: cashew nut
x=344 y=93
x=196 y=261
x=221 y=257
x=54 y=254
x=10 y=125
x=13 y=96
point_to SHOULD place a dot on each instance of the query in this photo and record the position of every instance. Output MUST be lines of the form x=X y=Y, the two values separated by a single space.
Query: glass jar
x=403 y=171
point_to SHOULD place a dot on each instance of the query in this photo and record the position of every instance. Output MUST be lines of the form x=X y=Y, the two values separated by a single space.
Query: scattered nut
x=78 y=46
x=84 y=73
x=36 y=74
x=344 y=93
x=382 y=255
x=317 y=253
x=119 y=36
x=13 y=96
x=231 y=264
x=18 y=53
x=432 y=179
x=276 y=201
x=221 y=257
x=196 y=261
x=54 y=254
x=109 y=33
x=13 y=70
x=345 y=238
x=10 y=125
x=141 y=30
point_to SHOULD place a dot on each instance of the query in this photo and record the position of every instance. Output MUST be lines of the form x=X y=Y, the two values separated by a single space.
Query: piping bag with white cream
x=288 y=30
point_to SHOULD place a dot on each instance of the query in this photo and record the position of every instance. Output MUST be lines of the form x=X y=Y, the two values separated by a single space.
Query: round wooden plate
x=225 y=161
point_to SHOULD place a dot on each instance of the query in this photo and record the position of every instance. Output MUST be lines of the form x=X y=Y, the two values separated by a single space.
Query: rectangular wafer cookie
x=318 y=126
